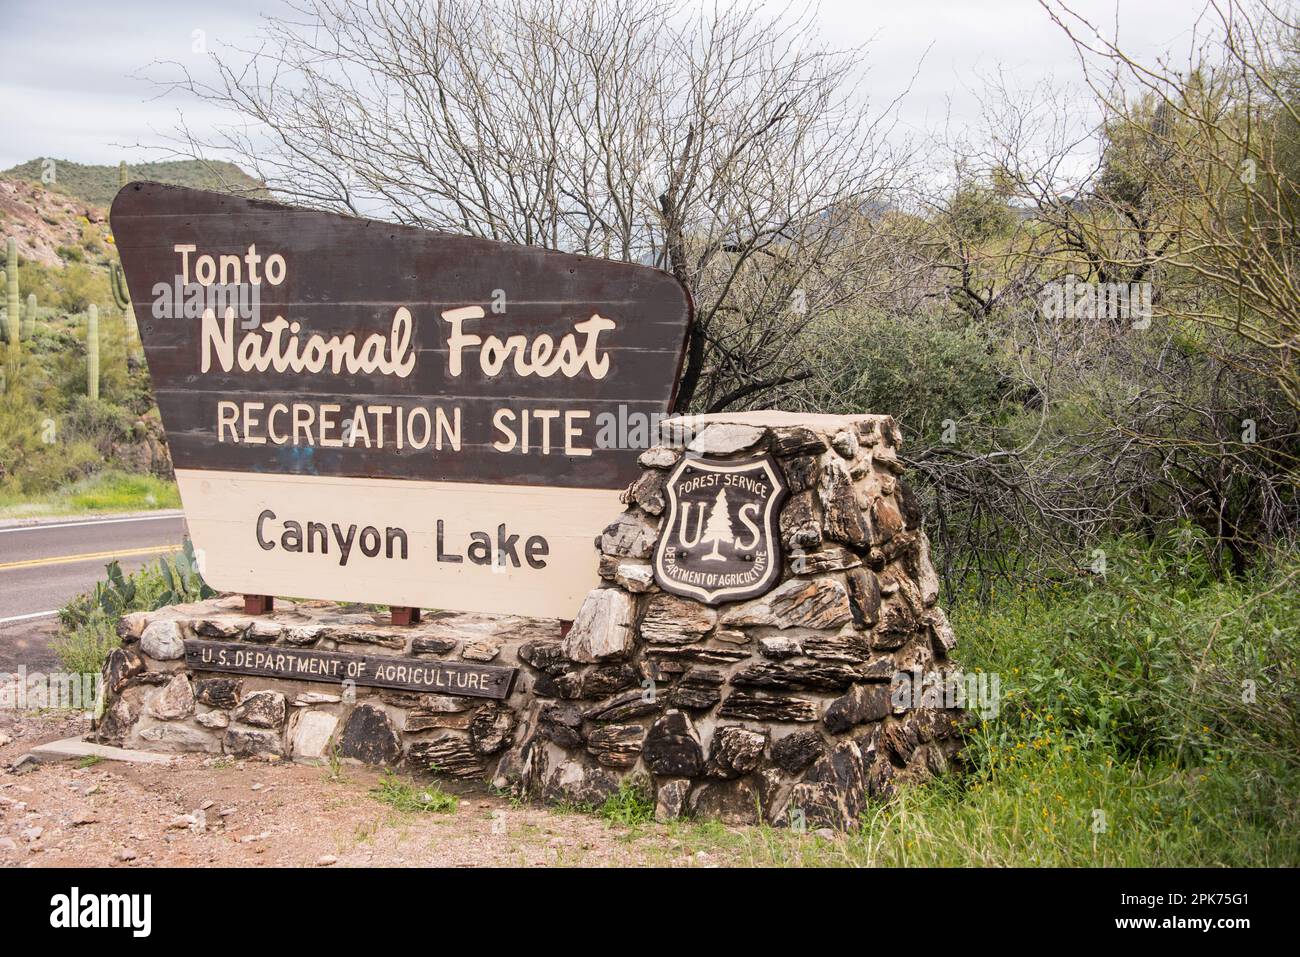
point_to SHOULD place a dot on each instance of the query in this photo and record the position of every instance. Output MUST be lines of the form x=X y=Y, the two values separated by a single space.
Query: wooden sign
x=367 y=412
x=719 y=541
x=421 y=675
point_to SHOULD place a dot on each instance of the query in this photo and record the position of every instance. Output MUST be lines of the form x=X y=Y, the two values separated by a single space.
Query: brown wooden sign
x=719 y=541
x=379 y=413
x=374 y=671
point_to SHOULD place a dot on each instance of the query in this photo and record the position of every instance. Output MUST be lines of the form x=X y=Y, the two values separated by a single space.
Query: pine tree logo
x=718 y=529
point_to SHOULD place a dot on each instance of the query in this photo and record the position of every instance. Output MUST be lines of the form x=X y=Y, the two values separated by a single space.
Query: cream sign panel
x=377 y=413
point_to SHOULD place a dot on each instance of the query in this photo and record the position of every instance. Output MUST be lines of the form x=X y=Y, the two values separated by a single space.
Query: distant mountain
x=98 y=184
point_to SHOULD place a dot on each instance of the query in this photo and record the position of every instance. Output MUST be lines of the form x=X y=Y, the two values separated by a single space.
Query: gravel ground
x=203 y=811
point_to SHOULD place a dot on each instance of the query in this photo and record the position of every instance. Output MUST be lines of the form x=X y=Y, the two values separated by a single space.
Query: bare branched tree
x=728 y=147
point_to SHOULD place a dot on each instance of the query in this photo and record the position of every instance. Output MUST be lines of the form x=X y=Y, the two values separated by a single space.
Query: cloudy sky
x=72 y=88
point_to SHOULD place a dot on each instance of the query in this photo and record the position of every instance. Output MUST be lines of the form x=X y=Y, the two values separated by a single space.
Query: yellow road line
x=91 y=556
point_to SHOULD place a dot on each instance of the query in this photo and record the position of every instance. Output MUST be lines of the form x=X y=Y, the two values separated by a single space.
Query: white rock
x=213 y=719
x=162 y=641
x=310 y=733
x=635 y=578
x=659 y=457
x=174 y=700
x=723 y=438
x=603 y=628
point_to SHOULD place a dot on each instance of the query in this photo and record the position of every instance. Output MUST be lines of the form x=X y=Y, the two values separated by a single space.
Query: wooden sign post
x=367 y=412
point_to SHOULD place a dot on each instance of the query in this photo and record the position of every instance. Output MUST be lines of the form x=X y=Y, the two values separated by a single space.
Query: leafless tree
x=727 y=146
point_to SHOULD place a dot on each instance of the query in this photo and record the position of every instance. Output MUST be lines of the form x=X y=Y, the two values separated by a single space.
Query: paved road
x=43 y=565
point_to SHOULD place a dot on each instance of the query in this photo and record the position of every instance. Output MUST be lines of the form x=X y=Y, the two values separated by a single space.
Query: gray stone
x=218 y=692
x=806 y=603
x=671 y=620
x=616 y=745
x=897 y=624
x=802 y=472
x=940 y=631
x=422 y=645
x=796 y=751
x=483 y=650
x=736 y=803
x=845 y=443
x=216 y=720
x=370 y=737
x=782 y=675
x=261 y=709
x=696 y=690
x=446 y=755
x=303 y=635
x=779 y=648
x=561 y=724
x=757 y=707
x=843 y=519
x=491 y=728
x=252 y=743
x=310 y=733
x=847 y=646
x=162 y=640
x=670 y=799
x=789 y=442
x=672 y=747
x=120 y=666
x=659 y=457
x=829 y=558
x=179 y=739
x=629 y=536
x=603 y=628
x=630 y=704
x=800 y=523
x=724 y=438
x=862 y=703
x=735 y=751
x=635 y=577
x=864 y=596
x=647 y=492
x=173 y=701
x=264 y=631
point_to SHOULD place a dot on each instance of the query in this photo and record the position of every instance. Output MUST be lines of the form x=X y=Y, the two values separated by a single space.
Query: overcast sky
x=70 y=87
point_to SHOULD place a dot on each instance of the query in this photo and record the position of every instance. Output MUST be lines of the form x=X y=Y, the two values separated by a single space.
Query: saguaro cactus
x=121 y=174
x=15 y=315
x=122 y=299
x=92 y=351
x=29 y=316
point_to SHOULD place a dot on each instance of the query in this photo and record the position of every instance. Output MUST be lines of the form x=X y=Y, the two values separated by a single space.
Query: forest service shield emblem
x=719 y=541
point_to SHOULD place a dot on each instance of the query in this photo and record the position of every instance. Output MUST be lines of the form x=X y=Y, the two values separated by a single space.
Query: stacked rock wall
x=782 y=708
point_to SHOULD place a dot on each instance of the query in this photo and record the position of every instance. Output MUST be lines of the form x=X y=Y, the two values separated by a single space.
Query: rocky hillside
x=97 y=185
x=43 y=221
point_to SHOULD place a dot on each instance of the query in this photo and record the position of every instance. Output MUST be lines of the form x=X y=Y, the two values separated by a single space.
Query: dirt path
x=216 y=812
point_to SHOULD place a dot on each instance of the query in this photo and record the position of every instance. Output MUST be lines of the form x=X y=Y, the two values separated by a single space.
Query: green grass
x=107 y=491
x=632 y=807
x=411 y=798
x=1126 y=736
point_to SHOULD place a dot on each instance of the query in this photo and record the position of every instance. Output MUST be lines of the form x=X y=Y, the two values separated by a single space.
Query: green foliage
x=922 y=370
x=14 y=316
x=29 y=317
x=82 y=647
x=632 y=806
x=99 y=184
x=92 y=352
x=412 y=798
x=169 y=581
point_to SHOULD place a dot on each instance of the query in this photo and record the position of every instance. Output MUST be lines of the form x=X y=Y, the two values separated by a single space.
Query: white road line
x=35 y=614
x=102 y=521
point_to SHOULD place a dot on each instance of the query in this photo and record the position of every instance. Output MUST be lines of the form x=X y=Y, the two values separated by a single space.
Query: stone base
x=787 y=708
